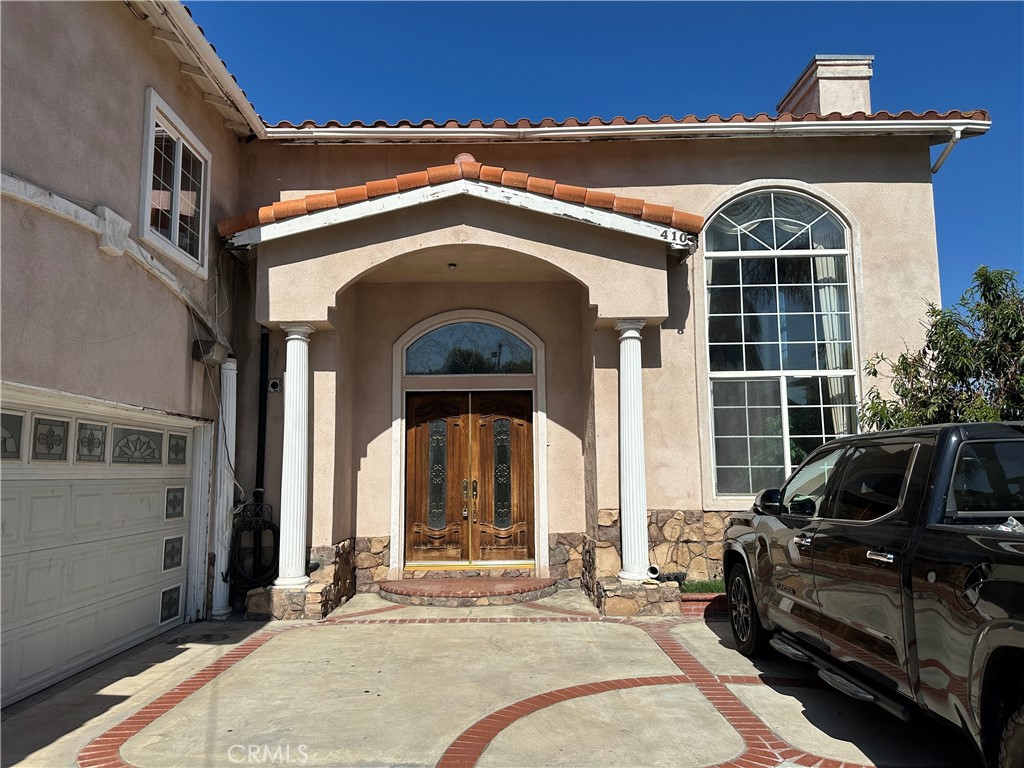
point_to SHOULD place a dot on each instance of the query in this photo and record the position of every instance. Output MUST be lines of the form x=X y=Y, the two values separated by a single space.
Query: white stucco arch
x=535 y=383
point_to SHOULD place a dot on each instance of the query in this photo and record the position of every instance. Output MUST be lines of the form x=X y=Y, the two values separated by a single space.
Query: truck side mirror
x=768 y=502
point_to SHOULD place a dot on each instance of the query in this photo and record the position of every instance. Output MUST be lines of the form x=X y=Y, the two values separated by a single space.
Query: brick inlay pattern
x=763 y=748
x=470 y=745
x=105 y=750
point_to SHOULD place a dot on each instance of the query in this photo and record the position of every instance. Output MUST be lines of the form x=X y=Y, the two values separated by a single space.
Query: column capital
x=231 y=364
x=626 y=325
x=301 y=330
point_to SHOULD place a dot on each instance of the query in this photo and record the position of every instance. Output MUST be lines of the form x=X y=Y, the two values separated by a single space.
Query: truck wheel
x=750 y=636
x=1011 y=746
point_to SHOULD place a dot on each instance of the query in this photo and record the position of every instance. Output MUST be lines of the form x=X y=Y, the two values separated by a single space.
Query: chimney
x=831 y=84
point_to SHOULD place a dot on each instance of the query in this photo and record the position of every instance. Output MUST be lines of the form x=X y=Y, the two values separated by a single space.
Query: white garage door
x=96 y=511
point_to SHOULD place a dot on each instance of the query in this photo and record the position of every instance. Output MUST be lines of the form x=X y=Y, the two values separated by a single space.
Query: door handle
x=465 y=490
x=474 y=500
x=474 y=490
x=804 y=540
x=882 y=557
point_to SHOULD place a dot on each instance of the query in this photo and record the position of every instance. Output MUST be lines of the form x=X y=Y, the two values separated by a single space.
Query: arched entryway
x=469 y=438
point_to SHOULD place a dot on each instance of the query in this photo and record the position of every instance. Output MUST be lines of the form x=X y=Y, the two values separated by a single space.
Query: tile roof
x=464 y=167
x=573 y=122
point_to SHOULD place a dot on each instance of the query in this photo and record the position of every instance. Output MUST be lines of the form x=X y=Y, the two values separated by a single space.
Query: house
x=553 y=349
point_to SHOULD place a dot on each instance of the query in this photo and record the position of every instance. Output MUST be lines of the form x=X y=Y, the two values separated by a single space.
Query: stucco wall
x=73 y=83
x=881 y=186
x=381 y=313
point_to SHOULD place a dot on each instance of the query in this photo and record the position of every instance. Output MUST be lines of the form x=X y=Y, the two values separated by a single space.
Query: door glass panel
x=468 y=348
x=502 y=474
x=438 y=493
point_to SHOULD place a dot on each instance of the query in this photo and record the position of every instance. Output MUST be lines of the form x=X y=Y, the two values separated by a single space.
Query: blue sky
x=395 y=60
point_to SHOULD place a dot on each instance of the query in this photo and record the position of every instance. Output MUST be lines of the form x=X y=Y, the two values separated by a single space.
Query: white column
x=632 y=471
x=295 y=458
x=225 y=488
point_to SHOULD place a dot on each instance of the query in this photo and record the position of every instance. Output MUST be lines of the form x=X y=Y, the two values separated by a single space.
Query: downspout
x=261 y=446
x=949 y=148
x=261 y=423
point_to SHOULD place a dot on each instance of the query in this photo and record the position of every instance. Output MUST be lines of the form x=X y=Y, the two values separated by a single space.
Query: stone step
x=453 y=593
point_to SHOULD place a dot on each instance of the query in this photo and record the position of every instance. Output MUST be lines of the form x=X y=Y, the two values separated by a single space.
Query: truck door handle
x=804 y=540
x=882 y=557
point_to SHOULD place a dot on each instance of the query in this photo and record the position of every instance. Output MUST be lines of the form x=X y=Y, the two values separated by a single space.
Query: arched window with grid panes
x=780 y=343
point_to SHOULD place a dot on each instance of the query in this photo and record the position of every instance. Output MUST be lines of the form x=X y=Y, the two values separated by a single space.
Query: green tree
x=971 y=367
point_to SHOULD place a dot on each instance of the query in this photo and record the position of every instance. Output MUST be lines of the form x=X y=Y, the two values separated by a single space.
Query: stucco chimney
x=831 y=84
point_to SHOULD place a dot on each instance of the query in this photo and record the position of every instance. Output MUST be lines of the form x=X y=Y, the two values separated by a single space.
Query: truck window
x=873 y=481
x=988 y=480
x=806 y=489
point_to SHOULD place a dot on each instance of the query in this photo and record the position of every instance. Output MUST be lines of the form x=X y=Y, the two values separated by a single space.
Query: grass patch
x=716 y=586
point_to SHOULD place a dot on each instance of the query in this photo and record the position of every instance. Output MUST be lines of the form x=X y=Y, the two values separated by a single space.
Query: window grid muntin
x=819 y=318
x=187 y=242
x=841 y=318
x=174 y=223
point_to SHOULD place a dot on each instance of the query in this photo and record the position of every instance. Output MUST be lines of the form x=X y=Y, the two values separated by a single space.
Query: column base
x=625 y=575
x=219 y=614
x=291 y=582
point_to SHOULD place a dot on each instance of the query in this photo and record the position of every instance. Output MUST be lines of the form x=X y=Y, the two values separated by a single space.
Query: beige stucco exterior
x=881 y=189
x=82 y=317
x=76 y=319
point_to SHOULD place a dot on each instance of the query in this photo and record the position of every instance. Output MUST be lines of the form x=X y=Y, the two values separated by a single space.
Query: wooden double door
x=469 y=477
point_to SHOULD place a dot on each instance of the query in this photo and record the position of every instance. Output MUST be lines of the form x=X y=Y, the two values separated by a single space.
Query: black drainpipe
x=261 y=445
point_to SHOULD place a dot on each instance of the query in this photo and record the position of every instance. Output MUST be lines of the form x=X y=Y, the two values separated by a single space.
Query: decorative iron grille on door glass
x=780 y=341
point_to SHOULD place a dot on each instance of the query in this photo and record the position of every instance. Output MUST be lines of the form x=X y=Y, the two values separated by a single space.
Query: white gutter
x=967 y=128
x=193 y=39
x=945 y=152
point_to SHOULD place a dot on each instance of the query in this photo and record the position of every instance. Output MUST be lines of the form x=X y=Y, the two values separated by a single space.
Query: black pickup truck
x=894 y=562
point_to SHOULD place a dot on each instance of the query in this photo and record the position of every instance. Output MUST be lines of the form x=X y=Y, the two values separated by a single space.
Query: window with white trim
x=779 y=331
x=175 y=184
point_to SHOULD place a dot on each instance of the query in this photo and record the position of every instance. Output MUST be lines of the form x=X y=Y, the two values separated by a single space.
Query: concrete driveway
x=549 y=683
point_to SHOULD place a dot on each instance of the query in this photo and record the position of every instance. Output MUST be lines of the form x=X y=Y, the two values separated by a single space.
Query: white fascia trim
x=664 y=130
x=515 y=197
x=113 y=231
x=192 y=37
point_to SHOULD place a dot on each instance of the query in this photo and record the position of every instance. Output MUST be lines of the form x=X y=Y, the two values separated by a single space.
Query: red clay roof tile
x=381 y=187
x=573 y=122
x=348 y=195
x=540 y=186
x=629 y=205
x=321 y=202
x=465 y=167
x=491 y=173
x=569 y=193
x=514 y=179
x=412 y=180
x=440 y=174
x=598 y=199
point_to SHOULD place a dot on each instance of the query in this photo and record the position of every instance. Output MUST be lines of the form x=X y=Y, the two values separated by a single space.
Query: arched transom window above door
x=780 y=336
x=468 y=348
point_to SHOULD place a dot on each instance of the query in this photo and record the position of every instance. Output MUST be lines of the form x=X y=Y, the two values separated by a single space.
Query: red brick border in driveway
x=764 y=749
